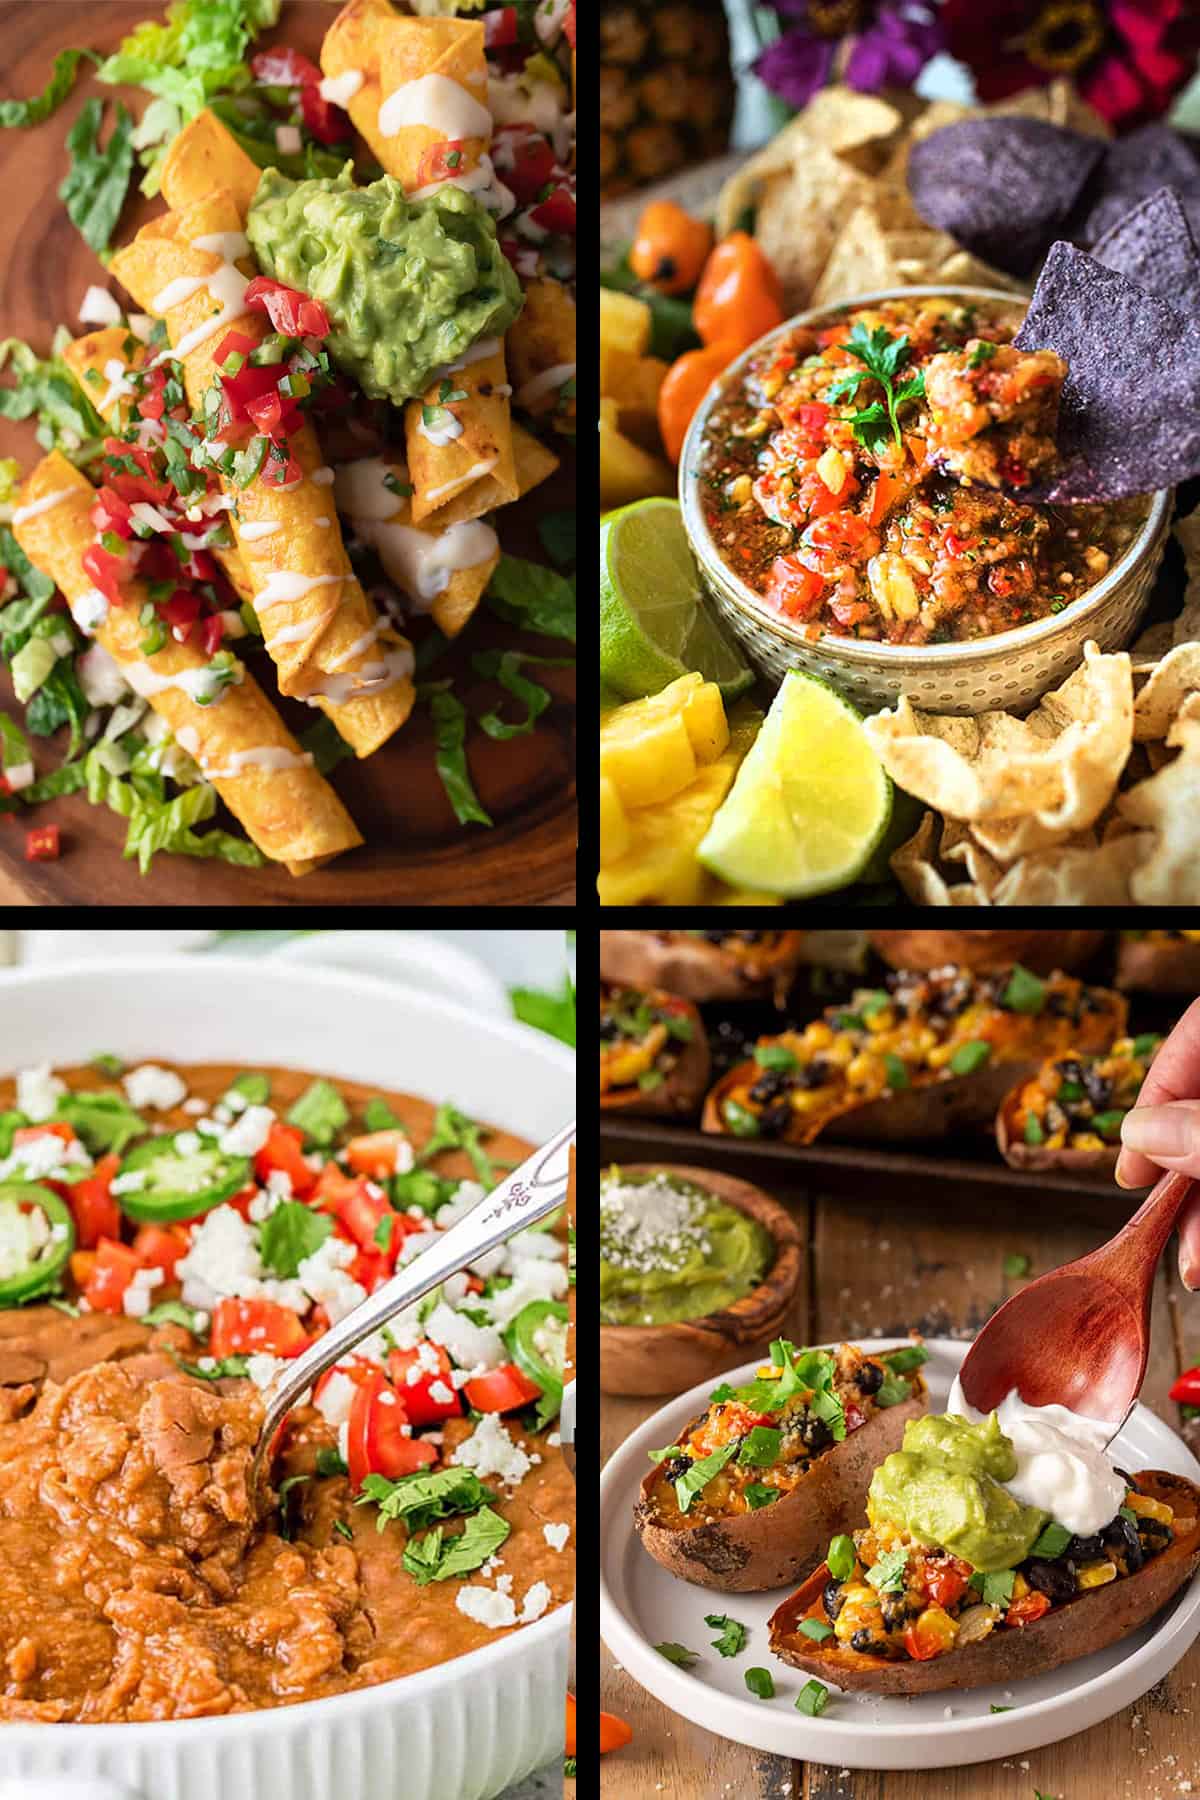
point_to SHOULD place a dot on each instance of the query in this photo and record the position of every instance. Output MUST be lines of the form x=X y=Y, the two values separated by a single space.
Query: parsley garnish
x=882 y=356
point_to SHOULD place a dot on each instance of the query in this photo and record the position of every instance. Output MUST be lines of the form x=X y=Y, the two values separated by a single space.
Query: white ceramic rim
x=891 y=658
x=425 y=1682
x=843 y=1743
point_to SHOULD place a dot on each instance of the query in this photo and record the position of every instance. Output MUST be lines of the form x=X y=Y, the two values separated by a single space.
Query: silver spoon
x=533 y=1190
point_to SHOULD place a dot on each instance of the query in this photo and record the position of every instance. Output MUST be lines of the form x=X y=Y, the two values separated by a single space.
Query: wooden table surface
x=878 y=1265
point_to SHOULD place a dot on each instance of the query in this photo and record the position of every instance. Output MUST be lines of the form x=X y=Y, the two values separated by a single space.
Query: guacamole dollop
x=671 y=1250
x=409 y=285
x=944 y=1487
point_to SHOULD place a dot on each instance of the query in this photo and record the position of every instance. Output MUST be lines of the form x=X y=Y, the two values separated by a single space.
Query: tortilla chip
x=961 y=269
x=1119 y=432
x=1060 y=103
x=1009 y=839
x=1002 y=186
x=1153 y=246
x=960 y=845
x=915 y=869
x=799 y=216
x=1083 y=875
x=1059 y=765
x=1174 y=678
x=1168 y=803
x=1133 y=168
x=861 y=260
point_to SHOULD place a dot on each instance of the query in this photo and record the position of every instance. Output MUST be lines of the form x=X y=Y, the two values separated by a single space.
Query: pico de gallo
x=245 y=1223
x=864 y=477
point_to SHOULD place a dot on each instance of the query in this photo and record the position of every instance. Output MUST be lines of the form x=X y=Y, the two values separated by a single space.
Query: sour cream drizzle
x=226 y=284
x=36 y=507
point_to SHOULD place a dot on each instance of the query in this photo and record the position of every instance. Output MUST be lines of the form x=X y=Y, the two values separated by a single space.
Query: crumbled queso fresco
x=650 y=1224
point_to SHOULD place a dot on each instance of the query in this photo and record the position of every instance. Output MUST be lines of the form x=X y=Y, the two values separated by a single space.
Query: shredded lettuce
x=94 y=190
x=534 y=597
x=138 y=794
x=504 y=666
x=450 y=734
x=24 y=113
x=67 y=420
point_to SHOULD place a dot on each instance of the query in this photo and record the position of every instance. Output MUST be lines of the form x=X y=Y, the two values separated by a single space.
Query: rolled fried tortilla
x=238 y=739
x=322 y=633
x=421 y=104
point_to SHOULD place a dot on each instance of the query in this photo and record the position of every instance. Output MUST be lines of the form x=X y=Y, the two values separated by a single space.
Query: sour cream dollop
x=1062 y=1469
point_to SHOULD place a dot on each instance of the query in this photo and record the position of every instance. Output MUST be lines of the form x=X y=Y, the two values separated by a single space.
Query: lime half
x=654 y=626
x=810 y=803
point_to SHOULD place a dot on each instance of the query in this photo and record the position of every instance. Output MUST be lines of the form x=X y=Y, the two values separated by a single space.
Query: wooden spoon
x=1079 y=1336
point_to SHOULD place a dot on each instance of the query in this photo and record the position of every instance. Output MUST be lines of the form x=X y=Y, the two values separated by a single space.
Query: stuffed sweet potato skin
x=696 y=969
x=680 y=1095
x=750 y=1552
x=1090 y=1621
x=1159 y=966
x=1040 y=951
x=1018 y=1154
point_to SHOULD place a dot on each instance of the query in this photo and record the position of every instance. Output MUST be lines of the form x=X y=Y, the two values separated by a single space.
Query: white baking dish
x=463 y=1731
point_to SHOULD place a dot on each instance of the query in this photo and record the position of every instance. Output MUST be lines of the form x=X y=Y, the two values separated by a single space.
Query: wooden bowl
x=666 y=1359
x=1041 y=951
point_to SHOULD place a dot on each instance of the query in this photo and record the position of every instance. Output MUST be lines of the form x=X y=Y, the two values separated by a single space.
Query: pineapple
x=666 y=90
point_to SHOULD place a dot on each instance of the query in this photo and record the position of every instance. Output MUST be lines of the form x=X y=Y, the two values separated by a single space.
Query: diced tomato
x=525 y=159
x=501 y=1390
x=837 y=536
x=500 y=27
x=887 y=490
x=377 y=1441
x=289 y=311
x=105 y=571
x=421 y=1407
x=94 y=1205
x=557 y=211
x=370 y=1271
x=111 y=513
x=180 y=613
x=234 y=343
x=376 y=1153
x=793 y=587
x=357 y=1370
x=58 y=1128
x=569 y=25
x=930 y=1635
x=115 y=1266
x=361 y=1212
x=812 y=417
x=41 y=844
x=854 y=1416
x=253 y=1325
x=281 y=468
x=82 y=1266
x=947 y=1581
x=1029 y=1607
x=282 y=66
x=441 y=161
x=283 y=1152
x=327 y=122
x=331 y=1186
x=212 y=633
x=160 y=1247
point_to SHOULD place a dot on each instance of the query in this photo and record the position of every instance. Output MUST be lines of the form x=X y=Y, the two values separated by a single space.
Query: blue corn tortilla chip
x=1132 y=169
x=1003 y=187
x=1155 y=246
x=1129 y=419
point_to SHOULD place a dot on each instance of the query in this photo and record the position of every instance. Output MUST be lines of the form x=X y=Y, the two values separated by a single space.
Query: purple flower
x=893 y=42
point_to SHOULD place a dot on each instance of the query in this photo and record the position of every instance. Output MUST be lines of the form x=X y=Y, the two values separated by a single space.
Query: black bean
x=1054 y=1579
x=867 y=1644
x=674 y=1467
x=1084 y=1549
x=870 y=1378
x=774 y=1120
x=1121 y=1535
x=833 y=1598
x=810 y=1075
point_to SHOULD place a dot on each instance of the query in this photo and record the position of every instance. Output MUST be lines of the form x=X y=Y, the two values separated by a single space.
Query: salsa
x=864 y=477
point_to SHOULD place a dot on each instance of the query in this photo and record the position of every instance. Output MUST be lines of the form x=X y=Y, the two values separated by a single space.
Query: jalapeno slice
x=32 y=1255
x=179 y=1184
x=541 y=1364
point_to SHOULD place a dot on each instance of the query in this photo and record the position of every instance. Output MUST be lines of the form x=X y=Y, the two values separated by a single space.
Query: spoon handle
x=1129 y=1259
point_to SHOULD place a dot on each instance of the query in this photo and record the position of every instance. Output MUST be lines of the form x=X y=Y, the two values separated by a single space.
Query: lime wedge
x=810 y=803
x=654 y=626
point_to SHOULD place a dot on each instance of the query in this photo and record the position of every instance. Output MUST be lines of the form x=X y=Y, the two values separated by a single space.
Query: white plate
x=641 y=1605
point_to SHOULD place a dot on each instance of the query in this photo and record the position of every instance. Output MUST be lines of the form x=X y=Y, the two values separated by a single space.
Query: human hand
x=1163 y=1131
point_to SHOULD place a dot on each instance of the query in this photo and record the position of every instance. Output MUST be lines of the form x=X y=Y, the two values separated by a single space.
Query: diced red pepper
x=501 y=1390
x=115 y=1266
x=283 y=1152
x=419 y=1404
x=160 y=1247
x=256 y=1325
x=94 y=1205
x=377 y=1442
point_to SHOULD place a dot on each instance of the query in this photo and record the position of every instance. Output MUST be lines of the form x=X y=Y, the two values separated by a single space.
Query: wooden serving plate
x=415 y=850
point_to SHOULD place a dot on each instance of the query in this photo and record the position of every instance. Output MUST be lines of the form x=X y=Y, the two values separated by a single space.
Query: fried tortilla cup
x=239 y=741
x=681 y=1091
x=1089 y=1621
x=749 y=1552
x=670 y=1358
x=684 y=962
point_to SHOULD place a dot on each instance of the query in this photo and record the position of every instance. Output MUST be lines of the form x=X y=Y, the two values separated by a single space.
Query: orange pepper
x=687 y=381
x=739 y=296
x=670 y=248
x=570 y=1724
x=614 y=1733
